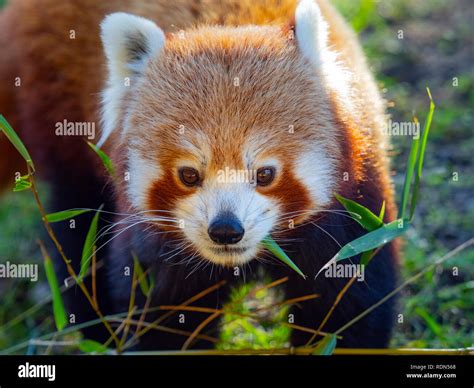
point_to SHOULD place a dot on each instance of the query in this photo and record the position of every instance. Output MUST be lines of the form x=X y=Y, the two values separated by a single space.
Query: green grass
x=242 y=333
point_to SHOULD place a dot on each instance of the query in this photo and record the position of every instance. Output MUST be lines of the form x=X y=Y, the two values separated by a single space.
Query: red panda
x=185 y=94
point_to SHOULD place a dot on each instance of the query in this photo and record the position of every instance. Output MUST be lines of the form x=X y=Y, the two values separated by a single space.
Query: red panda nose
x=226 y=229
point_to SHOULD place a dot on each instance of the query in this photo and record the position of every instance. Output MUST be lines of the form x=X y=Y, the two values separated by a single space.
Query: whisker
x=108 y=241
x=196 y=267
x=180 y=251
x=327 y=233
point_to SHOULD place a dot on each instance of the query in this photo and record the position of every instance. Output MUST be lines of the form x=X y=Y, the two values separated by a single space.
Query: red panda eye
x=265 y=176
x=189 y=176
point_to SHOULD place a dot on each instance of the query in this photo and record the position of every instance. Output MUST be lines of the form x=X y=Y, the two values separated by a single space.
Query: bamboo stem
x=67 y=262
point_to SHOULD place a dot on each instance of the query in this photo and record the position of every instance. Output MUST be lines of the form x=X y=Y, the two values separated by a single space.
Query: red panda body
x=265 y=86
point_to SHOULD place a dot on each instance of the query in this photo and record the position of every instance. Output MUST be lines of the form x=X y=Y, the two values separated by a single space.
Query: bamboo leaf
x=326 y=346
x=152 y=282
x=382 y=211
x=22 y=183
x=105 y=159
x=367 y=256
x=274 y=248
x=60 y=316
x=142 y=280
x=369 y=241
x=415 y=145
x=419 y=167
x=90 y=346
x=88 y=248
x=373 y=239
x=16 y=141
x=65 y=215
x=366 y=218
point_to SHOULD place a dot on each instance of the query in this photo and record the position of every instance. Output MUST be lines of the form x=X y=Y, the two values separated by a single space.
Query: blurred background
x=437 y=50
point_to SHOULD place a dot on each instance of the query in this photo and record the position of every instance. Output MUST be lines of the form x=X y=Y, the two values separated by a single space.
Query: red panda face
x=229 y=135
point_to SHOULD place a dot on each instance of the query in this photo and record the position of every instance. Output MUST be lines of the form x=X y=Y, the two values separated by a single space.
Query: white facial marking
x=256 y=213
x=314 y=169
x=143 y=173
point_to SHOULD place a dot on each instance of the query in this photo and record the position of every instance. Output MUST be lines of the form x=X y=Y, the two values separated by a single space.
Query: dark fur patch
x=137 y=47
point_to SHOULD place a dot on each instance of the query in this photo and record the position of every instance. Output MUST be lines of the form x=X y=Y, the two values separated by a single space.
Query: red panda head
x=228 y=132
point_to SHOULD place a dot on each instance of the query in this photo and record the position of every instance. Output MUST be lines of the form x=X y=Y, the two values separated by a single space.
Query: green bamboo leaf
x=367 y=256
x=105 y=159
x=382 y=211
x=88 y=248
x=22 y=183
x=415 y=145
x=16 y=141
x=274 y=248
x=151 y=282
x=326 y=346
x=369 y=241
x=361 y=214
x=373 y=239
x=419 y=167
x=142 y=280
x=90 y=346
x=60 y=316
x=65 y=215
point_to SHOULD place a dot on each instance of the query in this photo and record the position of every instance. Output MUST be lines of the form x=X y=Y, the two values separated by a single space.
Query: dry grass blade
x=201 y=327
x=166 y=329
x=172 y=312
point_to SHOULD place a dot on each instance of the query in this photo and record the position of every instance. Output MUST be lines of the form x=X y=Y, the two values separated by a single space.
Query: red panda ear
x=311 y=31
x=312 y=35
x=129 y=42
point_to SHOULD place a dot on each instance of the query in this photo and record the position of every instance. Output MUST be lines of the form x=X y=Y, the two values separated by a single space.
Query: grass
x=438 y=311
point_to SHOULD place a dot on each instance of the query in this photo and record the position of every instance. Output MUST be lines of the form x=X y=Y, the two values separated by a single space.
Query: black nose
x=226 y=229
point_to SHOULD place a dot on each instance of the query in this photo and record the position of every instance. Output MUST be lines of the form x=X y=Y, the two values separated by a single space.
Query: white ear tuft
x=129 y=42
x=311 y=31
x=312 y=36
